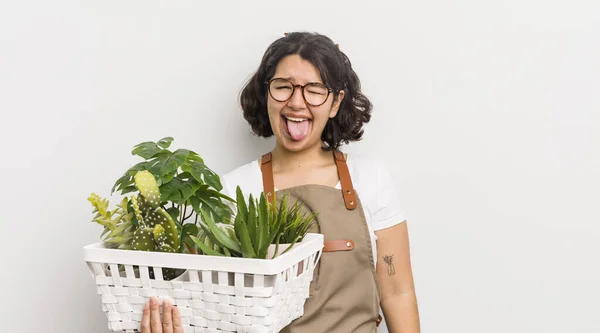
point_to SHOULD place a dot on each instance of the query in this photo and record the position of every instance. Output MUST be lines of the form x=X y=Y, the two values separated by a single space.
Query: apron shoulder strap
x=343 y=173
x=267 y=176
x=345 y=180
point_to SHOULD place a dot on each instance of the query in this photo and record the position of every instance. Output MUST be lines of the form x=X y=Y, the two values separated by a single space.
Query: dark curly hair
x=336 y=72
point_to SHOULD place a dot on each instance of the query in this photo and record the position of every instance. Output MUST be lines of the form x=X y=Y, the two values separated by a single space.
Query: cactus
x=171 y=232
x=157 y=230
x=166 y=248
x=159 y=234
x=148 y=187
x=143 y=239
x=157 y=227
x=137 y=210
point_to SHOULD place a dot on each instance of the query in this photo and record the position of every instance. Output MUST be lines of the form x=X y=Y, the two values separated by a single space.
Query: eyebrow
x=291 y=78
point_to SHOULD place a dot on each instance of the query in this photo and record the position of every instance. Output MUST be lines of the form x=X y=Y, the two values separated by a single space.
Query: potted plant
x=172 y=187
x=175 y=235
x=258 y=229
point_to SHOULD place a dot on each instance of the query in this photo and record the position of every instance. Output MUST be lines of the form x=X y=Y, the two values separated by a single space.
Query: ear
x=336 y=104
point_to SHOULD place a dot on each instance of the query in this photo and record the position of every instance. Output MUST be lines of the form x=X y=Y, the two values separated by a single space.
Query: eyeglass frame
x=268 y=84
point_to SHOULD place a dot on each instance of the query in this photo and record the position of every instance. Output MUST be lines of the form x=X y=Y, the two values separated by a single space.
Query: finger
x=177 y=328
x=167 y=321
x=146 y=319
x=155 y=323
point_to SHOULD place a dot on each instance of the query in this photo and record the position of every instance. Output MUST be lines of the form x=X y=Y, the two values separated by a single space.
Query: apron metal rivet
x=269 y=194
x=348 y=191
x=348 y=244
x=351 y=203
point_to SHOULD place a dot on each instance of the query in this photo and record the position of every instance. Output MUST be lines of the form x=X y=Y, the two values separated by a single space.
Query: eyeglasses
x=314 y=93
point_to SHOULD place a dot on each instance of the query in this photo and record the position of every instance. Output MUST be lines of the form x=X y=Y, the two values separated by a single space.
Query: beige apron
x=344 y=294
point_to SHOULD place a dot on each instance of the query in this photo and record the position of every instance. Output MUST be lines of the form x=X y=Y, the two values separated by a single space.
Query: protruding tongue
x=298 y=129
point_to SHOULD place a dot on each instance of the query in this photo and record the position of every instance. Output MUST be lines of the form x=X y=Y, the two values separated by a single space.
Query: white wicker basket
x=214 y=294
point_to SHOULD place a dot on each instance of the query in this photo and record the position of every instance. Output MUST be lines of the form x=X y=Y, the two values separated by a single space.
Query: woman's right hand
x=151 y=321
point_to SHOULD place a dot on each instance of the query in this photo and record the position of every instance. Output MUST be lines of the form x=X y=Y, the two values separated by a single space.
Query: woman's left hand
x=151 y=321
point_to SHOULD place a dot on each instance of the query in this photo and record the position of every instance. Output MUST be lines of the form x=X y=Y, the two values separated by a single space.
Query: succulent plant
x=206 y=240
x=119 y=224
x=257 y=225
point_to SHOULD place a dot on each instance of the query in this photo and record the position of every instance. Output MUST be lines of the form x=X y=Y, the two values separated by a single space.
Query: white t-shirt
x=372 y=183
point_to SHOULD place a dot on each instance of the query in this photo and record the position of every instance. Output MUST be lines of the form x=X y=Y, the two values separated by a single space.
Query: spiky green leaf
x=244 y=238
x=222 y=238
x=242 y=208
x=263 y=223
x=252 y=222
x=204 y=248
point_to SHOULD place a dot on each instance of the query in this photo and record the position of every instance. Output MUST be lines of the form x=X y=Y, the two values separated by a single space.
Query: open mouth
x=297 y=128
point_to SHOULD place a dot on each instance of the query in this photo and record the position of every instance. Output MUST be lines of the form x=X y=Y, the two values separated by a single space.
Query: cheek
x=322 y=114
x=274 y=112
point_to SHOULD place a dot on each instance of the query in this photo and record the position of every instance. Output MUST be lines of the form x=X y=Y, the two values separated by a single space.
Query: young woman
x=307 y=95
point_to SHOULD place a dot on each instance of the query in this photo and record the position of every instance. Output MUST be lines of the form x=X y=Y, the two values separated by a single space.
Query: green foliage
x=173 y=203
x=182 y=178
x=164 y=196
x=119 y=224
x=256 y=227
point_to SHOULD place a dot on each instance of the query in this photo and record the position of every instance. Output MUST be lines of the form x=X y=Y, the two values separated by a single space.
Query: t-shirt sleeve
x=388 y=210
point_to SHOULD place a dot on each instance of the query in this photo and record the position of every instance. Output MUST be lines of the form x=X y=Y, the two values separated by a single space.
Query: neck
x=288 y=160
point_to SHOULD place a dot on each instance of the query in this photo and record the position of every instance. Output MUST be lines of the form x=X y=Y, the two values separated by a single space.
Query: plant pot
x=219 y=294
x=281 y=248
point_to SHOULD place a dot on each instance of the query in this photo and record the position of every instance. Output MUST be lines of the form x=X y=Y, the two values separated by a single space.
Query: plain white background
x=488 y=113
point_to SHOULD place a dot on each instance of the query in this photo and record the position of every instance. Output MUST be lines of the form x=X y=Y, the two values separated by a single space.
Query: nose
x=296 y=102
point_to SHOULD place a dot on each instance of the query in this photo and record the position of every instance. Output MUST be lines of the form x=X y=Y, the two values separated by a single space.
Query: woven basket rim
x=98 y=253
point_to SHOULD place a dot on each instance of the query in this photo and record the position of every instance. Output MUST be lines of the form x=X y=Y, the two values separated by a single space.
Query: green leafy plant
x=183 y=178
x=257 y=225
x=174 y=187
x=173 y=203
x=185 y=183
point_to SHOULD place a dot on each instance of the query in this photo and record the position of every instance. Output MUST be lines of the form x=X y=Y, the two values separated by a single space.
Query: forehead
x=297 y=70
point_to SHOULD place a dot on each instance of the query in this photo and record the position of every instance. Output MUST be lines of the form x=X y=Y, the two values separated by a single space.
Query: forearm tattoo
x=389 y=260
